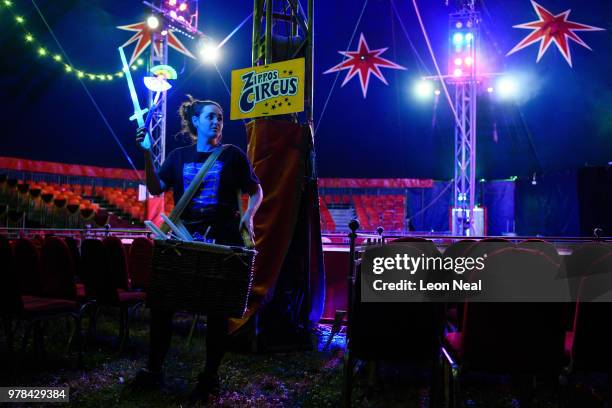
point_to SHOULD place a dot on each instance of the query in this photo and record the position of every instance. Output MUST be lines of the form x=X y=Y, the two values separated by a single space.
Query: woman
x=213 y=212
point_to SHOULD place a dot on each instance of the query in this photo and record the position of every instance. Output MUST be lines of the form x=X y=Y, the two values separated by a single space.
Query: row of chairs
x=553 y=338
x=52 y=278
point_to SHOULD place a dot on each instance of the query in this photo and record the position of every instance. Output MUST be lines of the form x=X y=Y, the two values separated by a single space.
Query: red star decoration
x=144 y=37
x=552 y=28
x=364 y=62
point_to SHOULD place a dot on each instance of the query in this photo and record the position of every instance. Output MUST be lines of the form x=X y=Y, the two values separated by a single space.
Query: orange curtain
x=278 y=152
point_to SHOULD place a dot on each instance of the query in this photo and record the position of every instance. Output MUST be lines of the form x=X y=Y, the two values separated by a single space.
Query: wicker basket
x=200 y=278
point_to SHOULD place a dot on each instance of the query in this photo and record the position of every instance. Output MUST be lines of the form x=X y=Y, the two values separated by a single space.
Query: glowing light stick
x=138 y=113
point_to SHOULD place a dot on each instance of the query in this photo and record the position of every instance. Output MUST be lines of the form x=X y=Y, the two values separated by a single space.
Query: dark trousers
x=161 y=335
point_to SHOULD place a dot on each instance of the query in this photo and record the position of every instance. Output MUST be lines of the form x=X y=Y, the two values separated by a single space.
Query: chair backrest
x=76 y=255
x=591 y=266
x=518 y=336
x=58 y=270
x=139 y=262
x=10 y=297
x=117 y=263
x=27 y=263
x=459 y=248
x=410 y=331
x=95 y=271
x=423 y=244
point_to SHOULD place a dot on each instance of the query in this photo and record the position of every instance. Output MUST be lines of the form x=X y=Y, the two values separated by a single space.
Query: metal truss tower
x=157 y=127
x=464 y=36
x=282 y=30
x=183 y=18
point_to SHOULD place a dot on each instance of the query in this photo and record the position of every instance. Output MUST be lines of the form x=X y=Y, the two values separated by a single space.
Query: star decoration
x=364 y=62
x=551 y=28
x=144 y=37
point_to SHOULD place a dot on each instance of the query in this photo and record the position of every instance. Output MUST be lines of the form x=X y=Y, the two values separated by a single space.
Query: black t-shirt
x=215 y=202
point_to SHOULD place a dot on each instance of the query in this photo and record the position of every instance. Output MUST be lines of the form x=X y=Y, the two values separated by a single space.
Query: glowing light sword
x=138 y=113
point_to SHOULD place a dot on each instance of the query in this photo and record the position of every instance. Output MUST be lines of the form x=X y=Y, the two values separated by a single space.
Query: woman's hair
x=190 y=108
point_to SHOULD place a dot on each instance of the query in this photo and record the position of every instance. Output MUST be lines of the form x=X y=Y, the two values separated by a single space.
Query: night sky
x=561 y=120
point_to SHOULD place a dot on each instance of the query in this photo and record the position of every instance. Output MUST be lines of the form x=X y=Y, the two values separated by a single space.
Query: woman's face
x=209 y=124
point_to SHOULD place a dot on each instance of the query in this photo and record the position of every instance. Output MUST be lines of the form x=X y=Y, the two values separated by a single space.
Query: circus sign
x=267 y=90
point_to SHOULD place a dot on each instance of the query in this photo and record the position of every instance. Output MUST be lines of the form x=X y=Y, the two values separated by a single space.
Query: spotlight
x=507 y=87
x=469 y=37
x=490 y=89
x=209 y=52
x=459 y=61
x=423 y=89
x=469 y=61
x=173 y=14
x=172 y=3
x=437 y=92
x=458 y=72
x=164 y=32
x=458 y=38
x=153 y=22
x=459 y=24
x=534 y=181
x=183 y=7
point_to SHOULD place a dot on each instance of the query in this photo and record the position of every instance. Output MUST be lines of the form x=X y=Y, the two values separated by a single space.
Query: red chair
x=522 y=339
x=31 y=309
x=107 y=280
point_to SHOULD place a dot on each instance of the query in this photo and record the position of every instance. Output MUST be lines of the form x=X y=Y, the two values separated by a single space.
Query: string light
x=43 y=53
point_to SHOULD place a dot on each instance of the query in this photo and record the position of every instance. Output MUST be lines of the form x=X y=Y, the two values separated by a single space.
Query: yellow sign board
x=266 y=90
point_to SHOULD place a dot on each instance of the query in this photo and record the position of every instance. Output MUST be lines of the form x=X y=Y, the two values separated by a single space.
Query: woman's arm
x=154 y=183
x=255 y=198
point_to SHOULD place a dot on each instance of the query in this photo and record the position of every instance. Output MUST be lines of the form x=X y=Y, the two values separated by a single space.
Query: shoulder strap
x=193 y=187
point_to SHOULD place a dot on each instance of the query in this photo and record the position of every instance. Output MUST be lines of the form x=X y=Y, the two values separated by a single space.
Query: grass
x=291 y=379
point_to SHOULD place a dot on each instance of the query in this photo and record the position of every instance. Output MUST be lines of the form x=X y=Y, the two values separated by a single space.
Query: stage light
x=80 y=74
x=423 y=89
x=490 y=89
x=172 y=2
x=19 y=19
x=29 y=38
x=459 y=24
x=458 y=61
x=42 y=52
x=209 y=52
x=183 y=7
x=153 y=22
x=437 y=92
x=507 y=87
x=68 y=68
x=469 y=37
x=458 y=38
x=458 y=72
x=57 y=57
x=140 y=61
x=164 y=32
x=173 y=14
x=469 y=61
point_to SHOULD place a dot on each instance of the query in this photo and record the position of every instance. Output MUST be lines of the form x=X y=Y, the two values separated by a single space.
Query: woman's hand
x=246 y=229
x=141 y=139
